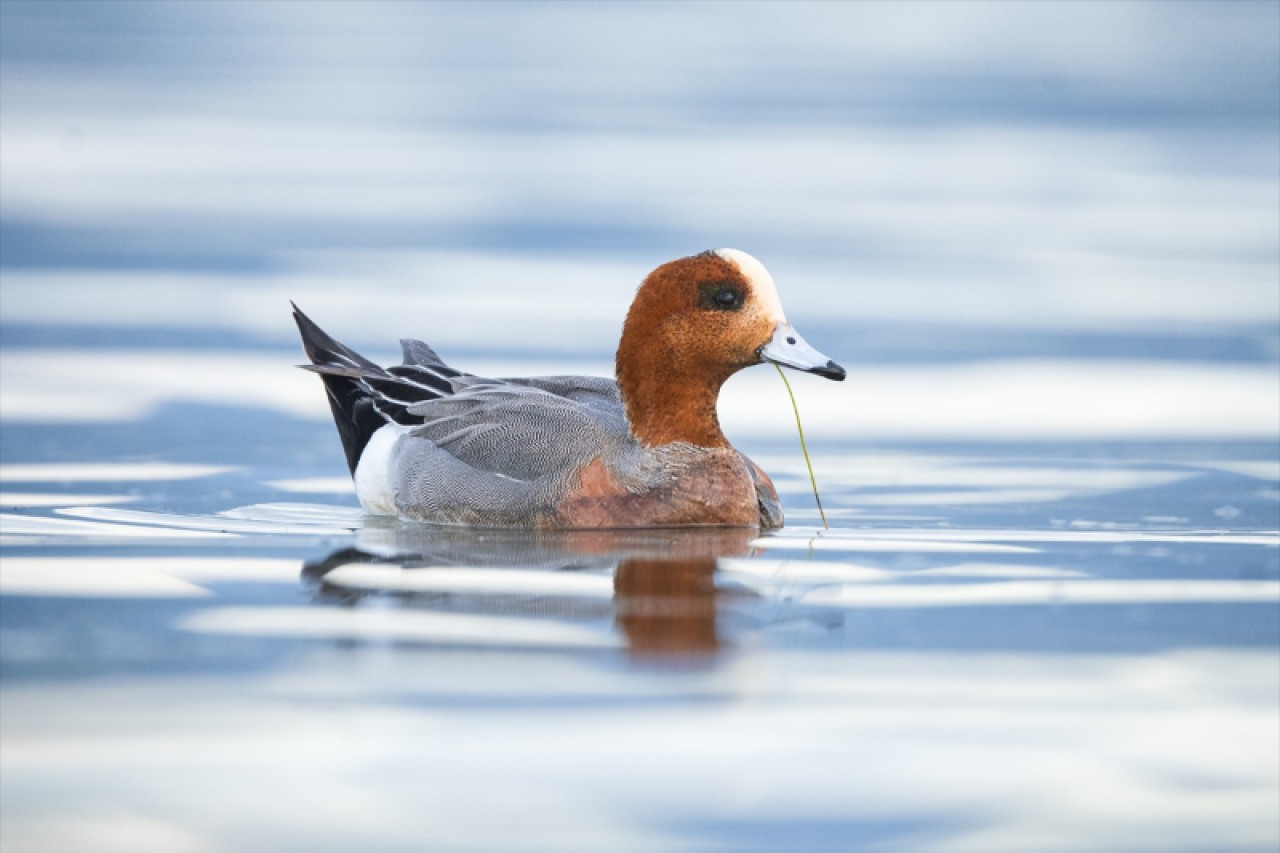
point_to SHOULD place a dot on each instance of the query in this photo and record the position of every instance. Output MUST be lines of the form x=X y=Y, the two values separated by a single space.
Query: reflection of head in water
x=664 y=594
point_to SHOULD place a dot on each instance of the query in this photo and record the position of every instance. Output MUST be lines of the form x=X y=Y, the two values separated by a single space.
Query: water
x=1047 y=612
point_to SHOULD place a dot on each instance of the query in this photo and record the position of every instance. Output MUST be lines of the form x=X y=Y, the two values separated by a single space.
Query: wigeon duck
x=426 y=442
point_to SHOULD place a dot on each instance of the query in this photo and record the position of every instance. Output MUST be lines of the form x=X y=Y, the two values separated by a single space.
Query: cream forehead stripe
x=759 y=279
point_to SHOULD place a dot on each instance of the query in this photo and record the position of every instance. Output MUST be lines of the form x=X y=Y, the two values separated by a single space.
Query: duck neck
x=665 y=404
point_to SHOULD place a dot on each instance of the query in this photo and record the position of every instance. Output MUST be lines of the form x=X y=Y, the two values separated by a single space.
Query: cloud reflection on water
x=997 y=399
x=1109 y=167
x=971 y=752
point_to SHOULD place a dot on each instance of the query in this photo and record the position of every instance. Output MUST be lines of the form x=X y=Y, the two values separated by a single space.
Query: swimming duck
x=427 y=442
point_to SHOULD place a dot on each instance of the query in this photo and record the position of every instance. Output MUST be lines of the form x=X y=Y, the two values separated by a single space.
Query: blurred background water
x=1043 y=237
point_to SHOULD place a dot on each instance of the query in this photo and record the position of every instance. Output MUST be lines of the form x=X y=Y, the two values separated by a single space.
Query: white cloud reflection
x=137 y=577
x=1054 y=592
x=19 y=529
x=323 y=524
x=493 y=580
x=896 y=538
x=1048 y=165
x=1005 y=399
x=41 y=499
x=104 y=472
x=961 y=752
x=397 y=626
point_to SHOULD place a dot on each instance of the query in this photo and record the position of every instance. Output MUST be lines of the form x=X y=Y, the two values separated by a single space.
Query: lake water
x=1045 y=616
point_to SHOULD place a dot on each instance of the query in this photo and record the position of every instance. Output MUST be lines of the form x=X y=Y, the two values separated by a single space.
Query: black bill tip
x=830 y=370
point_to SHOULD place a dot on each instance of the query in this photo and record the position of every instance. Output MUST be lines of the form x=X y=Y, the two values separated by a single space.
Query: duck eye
x=721 y=296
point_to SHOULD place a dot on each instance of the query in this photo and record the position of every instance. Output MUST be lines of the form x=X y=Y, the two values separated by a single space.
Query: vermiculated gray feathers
x=520 y=432
x=505 y=451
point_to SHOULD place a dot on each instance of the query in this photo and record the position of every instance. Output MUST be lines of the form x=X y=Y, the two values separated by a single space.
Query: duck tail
x=345 y=373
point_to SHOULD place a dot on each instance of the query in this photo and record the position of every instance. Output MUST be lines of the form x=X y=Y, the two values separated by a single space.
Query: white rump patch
x=373 y=475
x=759 y=279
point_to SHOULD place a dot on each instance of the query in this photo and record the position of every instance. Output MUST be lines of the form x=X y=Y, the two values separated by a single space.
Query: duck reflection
x=667 y=606
x=657 y=586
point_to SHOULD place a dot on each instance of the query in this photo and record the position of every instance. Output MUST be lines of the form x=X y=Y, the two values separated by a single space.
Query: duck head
x=694 y=323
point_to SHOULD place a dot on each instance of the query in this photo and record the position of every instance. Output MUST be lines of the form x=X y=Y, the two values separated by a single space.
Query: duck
x=427 y=442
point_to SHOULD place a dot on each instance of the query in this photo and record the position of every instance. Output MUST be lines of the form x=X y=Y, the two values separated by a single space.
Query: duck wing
x=466 y=434
x=524 y=429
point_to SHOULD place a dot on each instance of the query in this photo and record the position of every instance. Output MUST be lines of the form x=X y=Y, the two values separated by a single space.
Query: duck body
x=427 y=442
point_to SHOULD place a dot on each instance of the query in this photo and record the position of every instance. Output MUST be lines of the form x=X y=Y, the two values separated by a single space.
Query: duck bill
x=787 y=348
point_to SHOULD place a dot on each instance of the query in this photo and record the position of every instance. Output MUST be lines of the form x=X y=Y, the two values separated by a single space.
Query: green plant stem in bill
x=804 y=448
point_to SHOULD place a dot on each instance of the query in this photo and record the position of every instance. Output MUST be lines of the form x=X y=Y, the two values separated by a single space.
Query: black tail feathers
x=365 y=397
x=343 y=371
